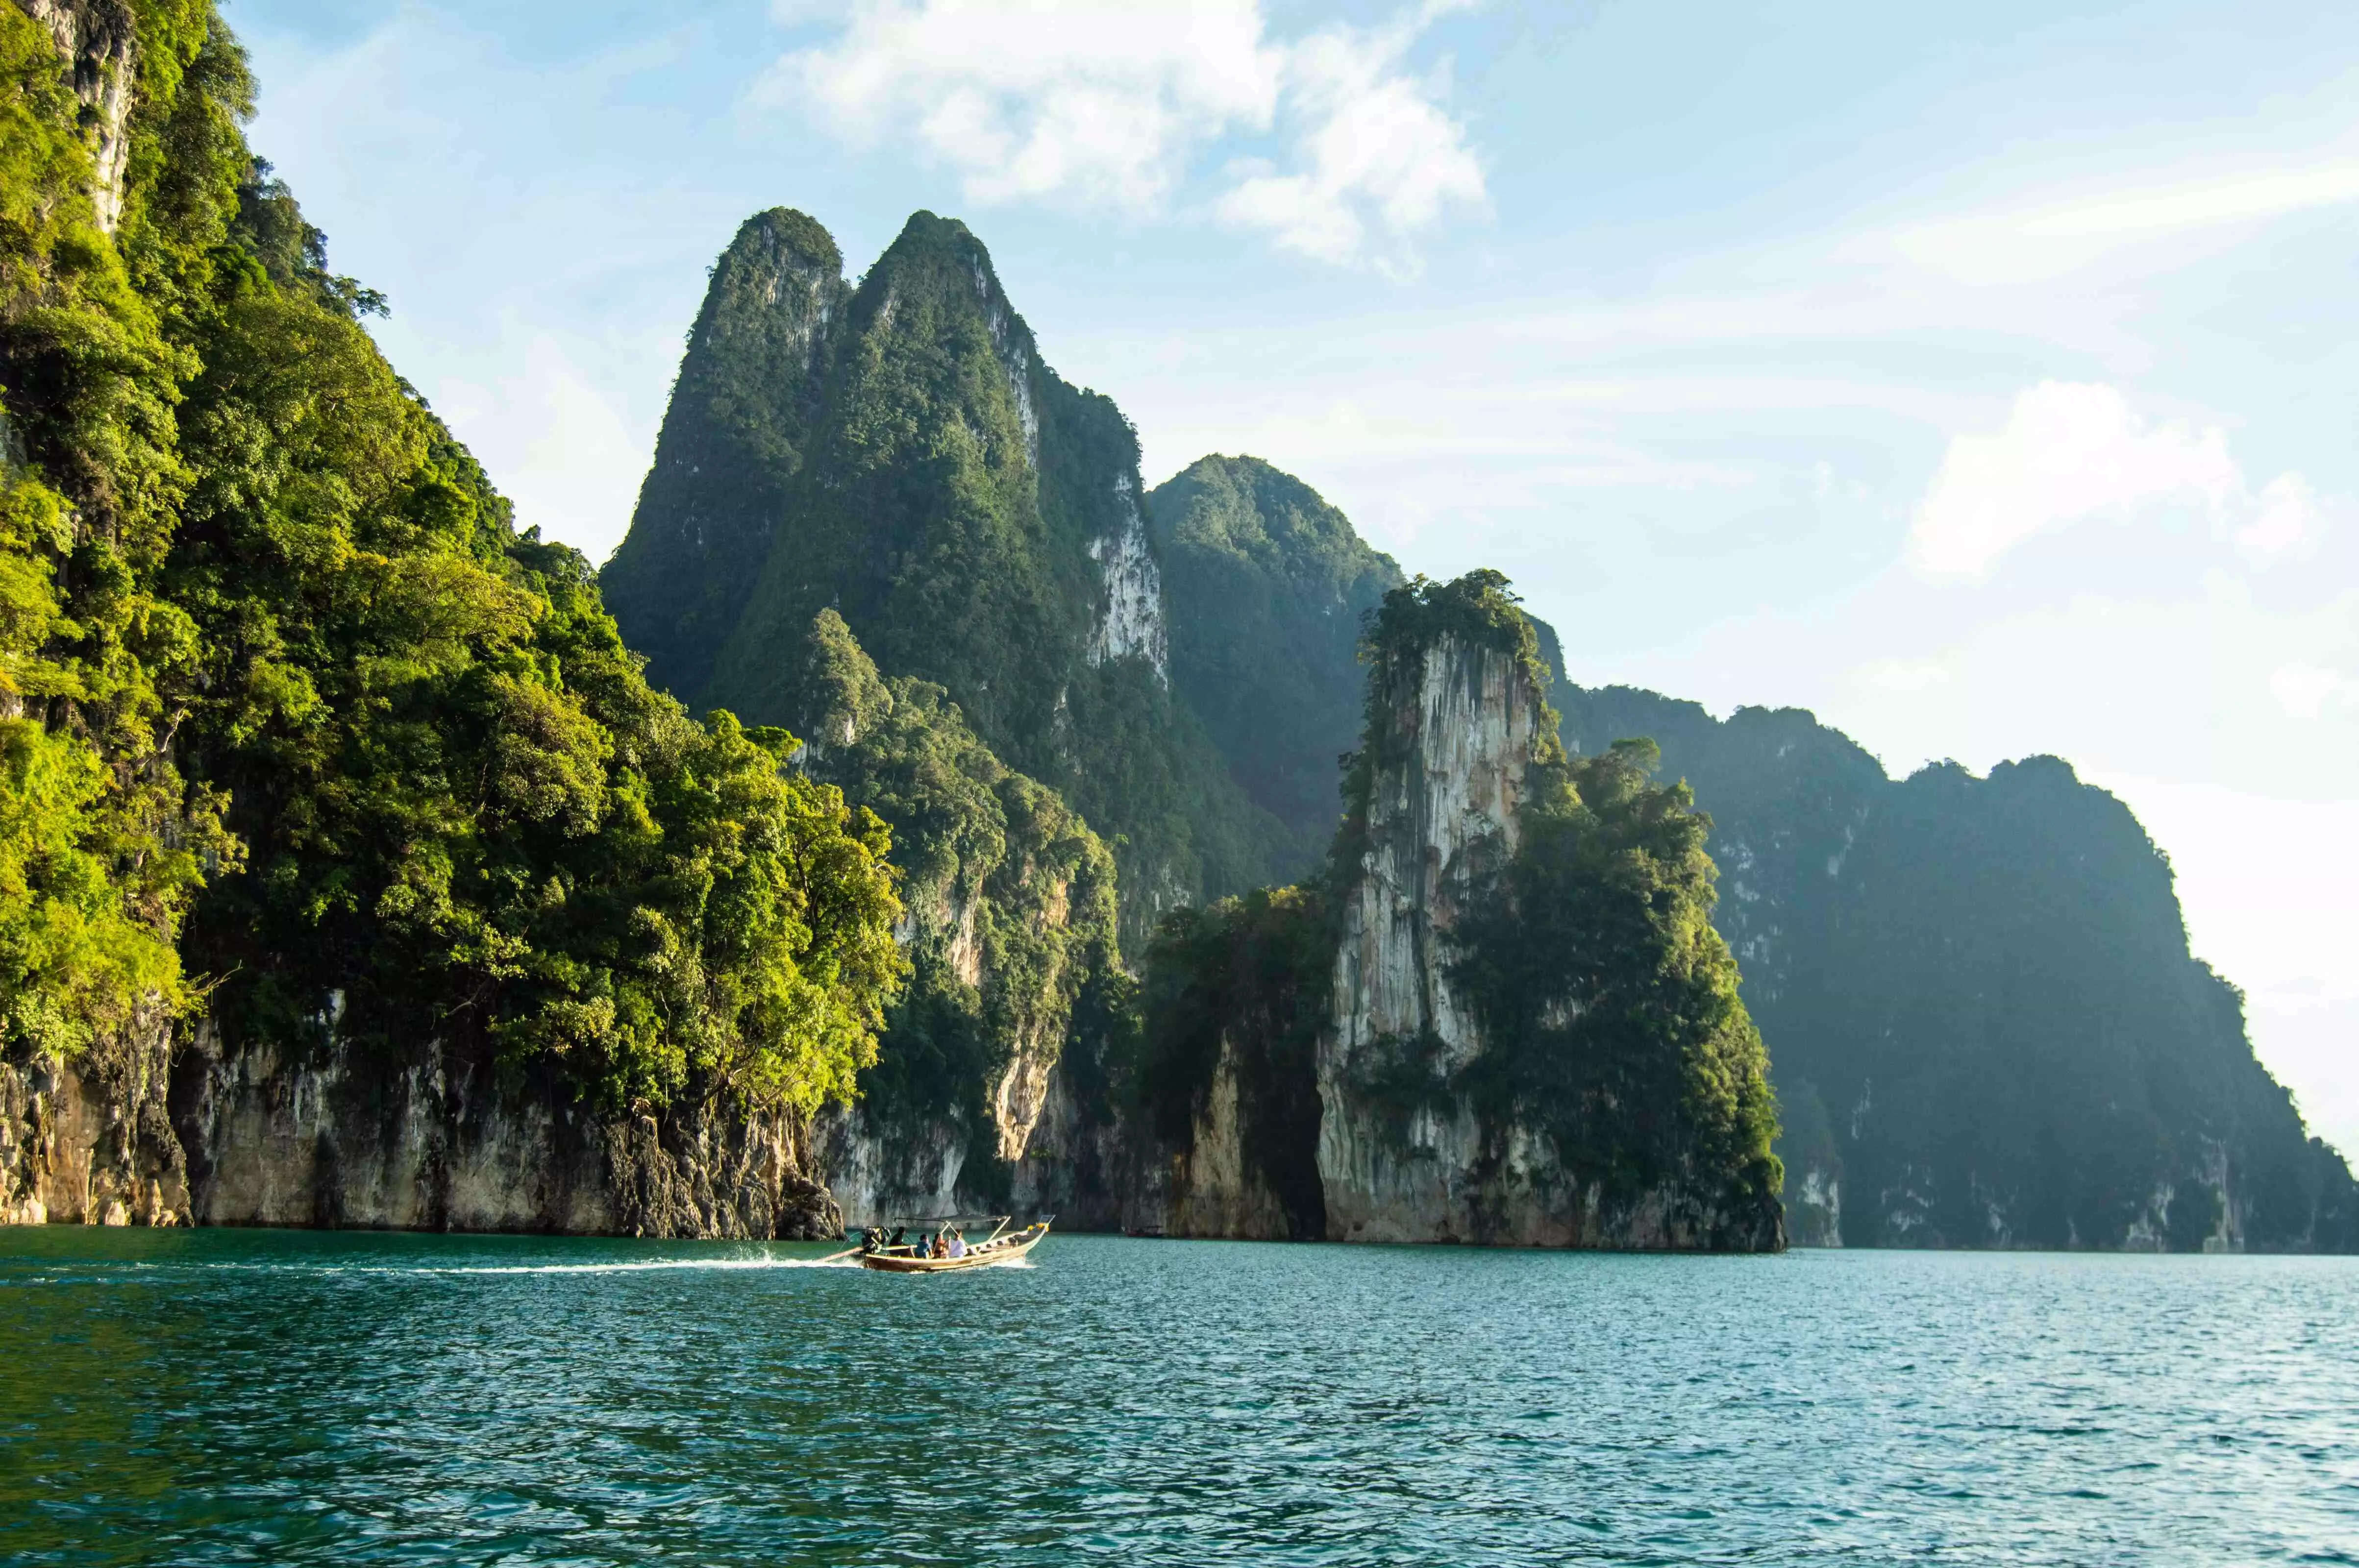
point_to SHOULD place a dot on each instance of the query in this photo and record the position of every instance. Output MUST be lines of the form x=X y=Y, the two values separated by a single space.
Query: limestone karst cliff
x=1500 y=1016
x=183 y=1131
x=1536 y=1037
x=901 y=453
x=1987 y=1026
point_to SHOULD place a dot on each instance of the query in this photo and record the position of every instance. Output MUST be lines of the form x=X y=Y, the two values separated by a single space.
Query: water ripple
x=252 y=1397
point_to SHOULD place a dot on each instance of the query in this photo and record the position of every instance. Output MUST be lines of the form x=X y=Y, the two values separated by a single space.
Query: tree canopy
x=273 y=651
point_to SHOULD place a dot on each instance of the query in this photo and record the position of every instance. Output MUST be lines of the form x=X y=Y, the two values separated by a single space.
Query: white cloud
x=2238 y=199
x=2305 y=690
x=1105 y=104
x=2071 y=452
x=1078 y=98
x=1373 y=144
x=2286 y=519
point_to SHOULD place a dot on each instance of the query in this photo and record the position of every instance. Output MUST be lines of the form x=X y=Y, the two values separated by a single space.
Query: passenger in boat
x=958 y=1244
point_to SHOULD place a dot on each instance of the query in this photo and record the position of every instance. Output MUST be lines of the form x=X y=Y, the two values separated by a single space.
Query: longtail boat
x=1002 y=1246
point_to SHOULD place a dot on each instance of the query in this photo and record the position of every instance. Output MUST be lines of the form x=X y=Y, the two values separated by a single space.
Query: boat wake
x=647 y=1266
x=620 y=1266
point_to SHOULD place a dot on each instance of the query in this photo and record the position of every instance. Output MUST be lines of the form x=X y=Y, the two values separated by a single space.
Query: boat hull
x=986 y=1257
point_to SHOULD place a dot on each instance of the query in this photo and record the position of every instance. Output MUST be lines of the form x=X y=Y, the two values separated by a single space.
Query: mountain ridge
x=975 y=520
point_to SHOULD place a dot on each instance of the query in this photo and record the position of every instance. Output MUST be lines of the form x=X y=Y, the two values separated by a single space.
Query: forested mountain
x=1980 y=1010
x=1987 y=1028
x=1268 y=586
x=899 y=452
x=1270 y=592
x=1009 y=922
x=294 y=721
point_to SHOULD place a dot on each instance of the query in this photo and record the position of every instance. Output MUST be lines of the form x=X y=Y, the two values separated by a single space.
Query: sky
x=1984 y=379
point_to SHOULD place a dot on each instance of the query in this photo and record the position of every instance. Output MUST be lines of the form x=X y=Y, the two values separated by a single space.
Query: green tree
x=246 y=575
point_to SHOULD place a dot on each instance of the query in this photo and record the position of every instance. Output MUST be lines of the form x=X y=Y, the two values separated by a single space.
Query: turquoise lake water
x=222 y=1397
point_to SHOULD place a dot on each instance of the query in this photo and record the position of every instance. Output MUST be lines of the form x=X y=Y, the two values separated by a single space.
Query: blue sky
x=1984 y=379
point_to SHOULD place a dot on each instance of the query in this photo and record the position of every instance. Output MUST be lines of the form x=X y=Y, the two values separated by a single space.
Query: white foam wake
x=642 y=1267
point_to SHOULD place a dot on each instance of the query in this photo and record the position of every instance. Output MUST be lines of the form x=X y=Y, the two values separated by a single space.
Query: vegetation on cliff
x=1252 y=976
x=1010 y=901
x=899 y=453
x=1608 y=1004
x=102 y=841
x=273 y=644
x=1979 y=988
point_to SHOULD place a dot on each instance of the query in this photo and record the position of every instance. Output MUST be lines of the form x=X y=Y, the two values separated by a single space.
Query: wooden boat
x=1002 y=1246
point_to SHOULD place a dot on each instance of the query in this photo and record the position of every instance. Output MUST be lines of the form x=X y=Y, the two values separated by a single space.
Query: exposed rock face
x=1443 y=800
x=97 y=40
x=1215 y=1185
x=258 y=1137
x=880 y=1173
x=91 y=1143
x=1468 y=724
x=1442 y=804
x=1130 y=621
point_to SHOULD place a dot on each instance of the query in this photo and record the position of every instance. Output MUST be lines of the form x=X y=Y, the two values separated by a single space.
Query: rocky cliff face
x=1460 y=740
x=1465 y=728
x=91 y=1142
x=159 y=1136
x=98 y=42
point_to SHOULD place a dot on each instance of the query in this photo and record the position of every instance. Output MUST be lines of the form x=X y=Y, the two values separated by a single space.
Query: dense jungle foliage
x=923 y=473
x=1010 y=897
x=293 y=720
x=1979 y=995
x=1609 y=1004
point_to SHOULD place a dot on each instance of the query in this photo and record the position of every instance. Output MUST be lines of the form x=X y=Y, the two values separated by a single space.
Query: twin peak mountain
x=877 y=517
